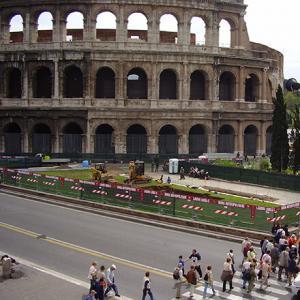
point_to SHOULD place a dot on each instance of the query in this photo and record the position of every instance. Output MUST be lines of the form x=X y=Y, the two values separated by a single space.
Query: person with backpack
x=266 y=269
x=147 y=287
x=246 y=273
x=179 y=279
x=227 y=274
x=195 y=257
x=283 y=263
x=252 y=278
x=191 y=277
x=92 y=275
x=292 y=269
x=208 y=281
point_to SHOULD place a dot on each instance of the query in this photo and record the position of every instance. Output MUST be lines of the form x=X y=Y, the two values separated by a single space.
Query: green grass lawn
x=73 y=174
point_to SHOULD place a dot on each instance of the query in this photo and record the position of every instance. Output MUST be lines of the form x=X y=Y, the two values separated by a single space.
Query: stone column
x=212 y=32
x=25 y=83
x=25 y=138
x=241 y=93
x=240 y=140
x=121 y=29
x=153 y=30
x=56 y=79
x=120 y=142
x=26 y=29
x=4 y=31
x=262 y=139
x=56 y=136
x=120 y=85
x=87 y=138
x=264 y=83
x=183 y=144
x=56 y=27
x=153 y=144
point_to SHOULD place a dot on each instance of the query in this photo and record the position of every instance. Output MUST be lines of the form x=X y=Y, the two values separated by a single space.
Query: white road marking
x=271 y=280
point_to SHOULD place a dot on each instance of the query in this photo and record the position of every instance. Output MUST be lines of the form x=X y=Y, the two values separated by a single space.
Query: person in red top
x=292 y=240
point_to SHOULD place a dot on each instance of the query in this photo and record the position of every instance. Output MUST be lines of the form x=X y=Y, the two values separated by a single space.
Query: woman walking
x=208 y=281
x=227 y=274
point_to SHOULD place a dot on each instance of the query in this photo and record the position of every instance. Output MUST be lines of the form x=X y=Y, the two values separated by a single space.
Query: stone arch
x=104 y=139
x=269 y=133
x=168 y=140
x=225 y=29
x=137 y=84
x=45 y=26
x=197 y=139
x=41 y=139
x=252 y=85
x=12 y=138
x=16 y=28
x=226 y=136
x=137 y=27
x=227 y=86
x=136 y=139
x=72 y=138
x=42 y=83
x=198 y=85
x=13 y=84
x=168 y=84
x=73 y=82
x=74 y=26
x=250 y=140
x=198 y=31
x=105 y=83
x=106 y=26
x=168 y=28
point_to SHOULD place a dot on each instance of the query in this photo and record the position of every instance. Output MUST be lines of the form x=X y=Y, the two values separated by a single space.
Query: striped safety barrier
x=198 y=208
x=16 y=177
x=161 y=202
x=32 y=180
x=226 y=213
x=99 y=192
x=49 y=183
x=276 y=219
x=298 y=214
x=123 y=196
x=77 y=188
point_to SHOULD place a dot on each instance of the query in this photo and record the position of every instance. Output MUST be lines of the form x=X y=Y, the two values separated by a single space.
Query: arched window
x=224 y=34
x=198 y=86
x=137 y=28
x=269 y=140
x=167 y=85
x=137 y=84
x=16 y=29
x=41 y=139
x=226 y=139
x=198 y=31
x=75 y=26
x=250 y=140
x=227 y=87
x=106 y=26
x=197 y=140
x=168 y=29
x=73 y=82
x=104 y=139
x=12 y=139
x=42 y=83
x=13 y=83
x=105 y=83
x=251 y=88
x=72 y=138
x=45 y=27
x=168 y=140
x=136 y=139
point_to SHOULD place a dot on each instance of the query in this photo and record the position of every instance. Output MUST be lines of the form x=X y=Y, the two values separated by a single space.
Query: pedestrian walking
x=191 y=277
x=246 y=273
x=265 y=272
x=252 y=278
x=147 y=287
x=292 y=269
x=181 y=173
x=91 y=295
x=246 y=244
x=111 y=285
x=283 y=263
x=227 y=274
x=208 y=282
x=195 y=257
x=178 y=281
x=92 y=275
x=181 y=264
x=231 y=256
x=100 y=283
x=251 y=254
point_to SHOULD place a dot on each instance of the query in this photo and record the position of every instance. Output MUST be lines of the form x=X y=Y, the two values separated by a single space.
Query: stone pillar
x=262 y=139
x=241 y=93
x=184 y=31
x=153 y=144
x=4 y=31
x=240 y=139
x=33 y=31
x=120 y=85
x=264 y=83
x=26 y=29
x=121 y=29
x=153 y=30
x=183 y=144
x=87 y=138
x=25 y=83
x=25 y=140
x=120 y=142
x=56 y=136
x=185 y=82
x=56 y=79
x=212 y=32
x=56 y=27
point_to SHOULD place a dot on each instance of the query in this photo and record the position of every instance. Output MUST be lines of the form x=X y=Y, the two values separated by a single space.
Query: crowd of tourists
x=279 y=255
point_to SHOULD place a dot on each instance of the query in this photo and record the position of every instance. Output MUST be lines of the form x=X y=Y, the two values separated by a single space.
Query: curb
x=173 y=223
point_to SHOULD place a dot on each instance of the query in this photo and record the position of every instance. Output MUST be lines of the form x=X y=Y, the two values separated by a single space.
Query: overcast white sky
x=276 y=23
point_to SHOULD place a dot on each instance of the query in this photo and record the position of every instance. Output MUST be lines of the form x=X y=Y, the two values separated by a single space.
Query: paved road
x=72 y=239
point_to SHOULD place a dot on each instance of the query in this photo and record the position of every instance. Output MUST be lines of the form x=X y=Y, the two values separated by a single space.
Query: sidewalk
x=281 y=197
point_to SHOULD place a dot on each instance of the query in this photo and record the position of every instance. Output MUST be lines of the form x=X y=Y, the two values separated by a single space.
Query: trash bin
x=173 y=165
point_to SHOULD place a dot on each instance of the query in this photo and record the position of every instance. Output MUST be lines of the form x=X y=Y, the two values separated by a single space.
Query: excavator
x=99 y=172
x=136 y=172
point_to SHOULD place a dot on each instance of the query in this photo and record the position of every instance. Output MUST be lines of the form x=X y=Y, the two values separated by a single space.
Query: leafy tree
x=295 y=139
x=280 y=143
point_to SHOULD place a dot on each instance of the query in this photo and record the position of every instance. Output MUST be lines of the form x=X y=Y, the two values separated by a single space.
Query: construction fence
x=203 y=208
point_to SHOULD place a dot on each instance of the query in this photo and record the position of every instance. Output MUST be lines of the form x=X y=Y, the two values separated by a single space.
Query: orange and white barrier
x=77 y=188
x=123 y=196
x=198 y=208
x=32 y=180
x=276 y=219
x=161 y=202
x=226 y=213
x=298 y=214
x=99 y=192
x=49 y=183
x=16 y=177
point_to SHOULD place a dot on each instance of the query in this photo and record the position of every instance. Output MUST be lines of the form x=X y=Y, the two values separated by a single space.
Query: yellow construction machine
x=99 y=172
x=136 y=172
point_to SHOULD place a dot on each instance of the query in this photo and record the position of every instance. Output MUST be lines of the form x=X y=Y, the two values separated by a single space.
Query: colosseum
x=132 y=85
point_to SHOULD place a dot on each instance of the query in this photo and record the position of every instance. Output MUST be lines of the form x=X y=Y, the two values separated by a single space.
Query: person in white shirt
x=147 y=287
x=179 y=280
x=92 y=275
x=110 y=278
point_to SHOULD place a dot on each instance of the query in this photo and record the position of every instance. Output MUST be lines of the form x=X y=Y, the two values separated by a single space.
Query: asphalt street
x=67 y=241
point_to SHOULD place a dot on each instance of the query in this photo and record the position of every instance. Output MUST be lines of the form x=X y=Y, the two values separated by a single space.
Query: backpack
x=247 y=275
x=176 y=275
x=205 y=277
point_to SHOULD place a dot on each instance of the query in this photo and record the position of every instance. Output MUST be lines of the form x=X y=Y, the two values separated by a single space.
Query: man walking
x=110 y=277
x=208 y=281
x=196 y=257
x=147 y=287
x=192 y=280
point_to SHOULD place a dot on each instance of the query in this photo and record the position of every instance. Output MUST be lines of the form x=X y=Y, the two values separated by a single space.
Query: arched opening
x=224 y=34
x=226 y=139
x=250 y=140
x=252 y=88
x=13 y=83
x=136 y=141
x=41 y=139
x=45 y=27
x=16 y=29
x=73 y=82
x=72 y=138
x=12 y=139
x=106 y=26
x=42 y=83
x=198 y=31
x=137 y=28
x=167 y=85
x=104 y=139
x=168 y=140
x=197 y=140
x=227 y=87
x=269 y=91
x=75 y=26
x=105 y=83
x=168 y=29
x=269 y=140
x=137 y=84
x=197 y=86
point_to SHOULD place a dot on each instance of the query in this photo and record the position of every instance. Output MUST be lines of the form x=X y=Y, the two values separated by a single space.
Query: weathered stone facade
x=57 y=93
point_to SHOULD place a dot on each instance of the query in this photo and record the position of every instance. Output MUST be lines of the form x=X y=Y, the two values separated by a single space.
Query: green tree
x=280 y=143
x=295 y=139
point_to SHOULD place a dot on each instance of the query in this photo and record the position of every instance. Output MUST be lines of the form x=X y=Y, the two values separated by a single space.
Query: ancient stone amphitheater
x=133 y=85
